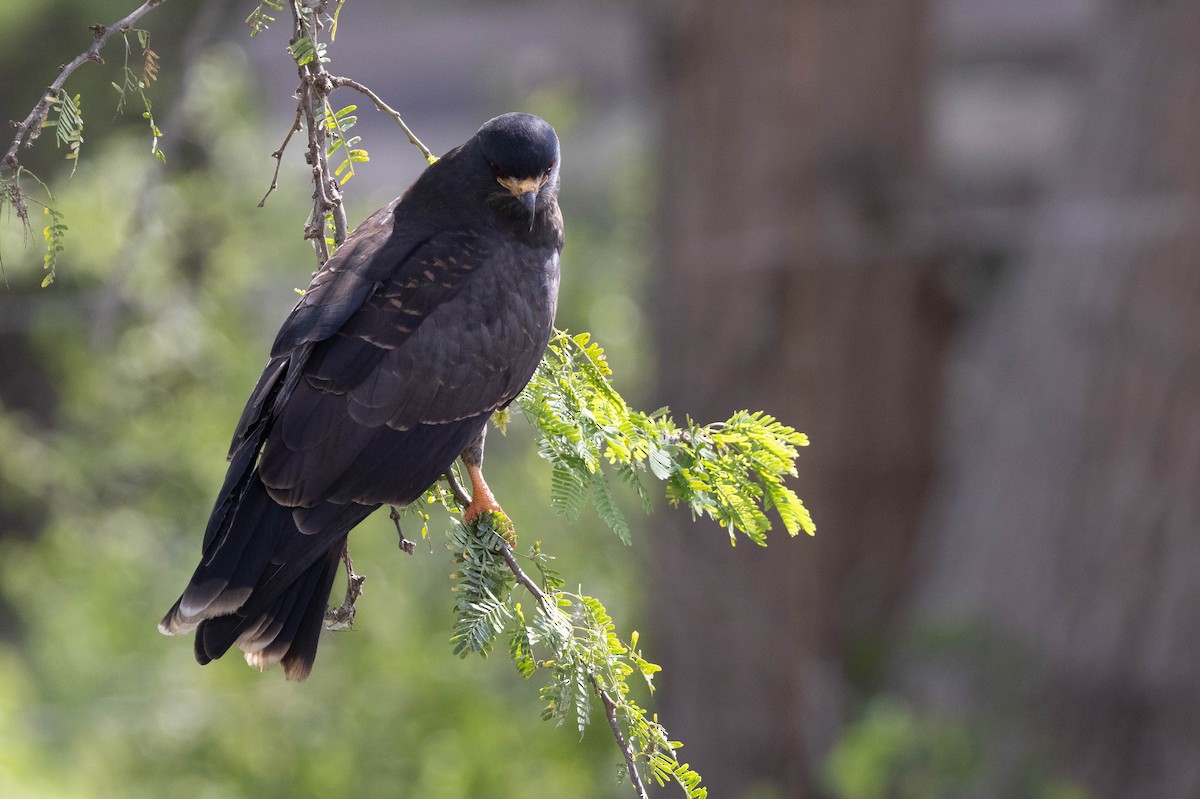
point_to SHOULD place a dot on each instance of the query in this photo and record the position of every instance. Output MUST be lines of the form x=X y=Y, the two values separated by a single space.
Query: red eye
x=549 y=168
x=497 y=171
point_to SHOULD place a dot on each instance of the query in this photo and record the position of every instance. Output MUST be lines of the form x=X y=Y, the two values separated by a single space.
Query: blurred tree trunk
x=1069 y=516
x=793 y=275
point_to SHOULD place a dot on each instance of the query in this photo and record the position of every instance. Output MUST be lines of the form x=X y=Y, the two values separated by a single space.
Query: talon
x=483 y=501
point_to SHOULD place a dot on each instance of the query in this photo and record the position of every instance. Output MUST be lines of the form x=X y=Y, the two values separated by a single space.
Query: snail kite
x=431 y=316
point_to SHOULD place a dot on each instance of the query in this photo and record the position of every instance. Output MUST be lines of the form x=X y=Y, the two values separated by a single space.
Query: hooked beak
x=528 y=201
x=526 y=191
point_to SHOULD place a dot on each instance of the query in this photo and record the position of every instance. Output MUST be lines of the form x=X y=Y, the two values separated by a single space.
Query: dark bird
x=432 y=315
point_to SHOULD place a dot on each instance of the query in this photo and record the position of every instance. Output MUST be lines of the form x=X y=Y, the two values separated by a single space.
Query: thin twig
x=610 y=711
x=339 y=81
x=519 y=573
x=408 y=546
x=31 y=127
x=278 y=155
x=341 y=617
x=460 y=494
x=314 y=231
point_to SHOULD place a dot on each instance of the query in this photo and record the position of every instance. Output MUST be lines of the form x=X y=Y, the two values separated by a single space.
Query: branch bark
x=312 y=95
x=31 y=127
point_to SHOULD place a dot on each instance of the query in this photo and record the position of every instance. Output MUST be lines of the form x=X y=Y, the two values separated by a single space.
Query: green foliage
x=731 y=471
x=260 y=19
x=54 y=233
x=66 y=117
x=135 y=83
x=483 y=584
x=569 y=638
x=337 y=126
x=306 y=51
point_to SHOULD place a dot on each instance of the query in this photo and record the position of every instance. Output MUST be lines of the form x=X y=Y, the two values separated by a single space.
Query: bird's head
x=521 y=151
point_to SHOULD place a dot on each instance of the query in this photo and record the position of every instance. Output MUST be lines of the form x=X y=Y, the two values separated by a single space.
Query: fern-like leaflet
x=338 y=125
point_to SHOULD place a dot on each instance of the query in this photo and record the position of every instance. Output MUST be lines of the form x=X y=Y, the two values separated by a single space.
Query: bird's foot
x=484 y=508
x=491 y=515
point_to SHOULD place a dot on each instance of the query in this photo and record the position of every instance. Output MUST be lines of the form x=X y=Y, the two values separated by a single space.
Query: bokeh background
x=955 y=241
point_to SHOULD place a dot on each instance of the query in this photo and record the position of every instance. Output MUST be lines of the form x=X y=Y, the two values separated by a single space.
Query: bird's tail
x=263 y=584
x=286 y=632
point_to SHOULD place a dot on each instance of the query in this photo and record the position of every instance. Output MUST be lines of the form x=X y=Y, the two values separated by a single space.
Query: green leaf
x=567 y=492
x=483 y=585
x=606 y=506
x=660 y=462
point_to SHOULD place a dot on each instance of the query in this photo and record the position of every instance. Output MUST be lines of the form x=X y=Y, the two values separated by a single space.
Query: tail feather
x=263 y=584
x=287 y=632
x=225 y=579
x=298 y=662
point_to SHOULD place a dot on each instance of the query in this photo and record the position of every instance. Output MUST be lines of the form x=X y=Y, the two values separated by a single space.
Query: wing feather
x=444 y=339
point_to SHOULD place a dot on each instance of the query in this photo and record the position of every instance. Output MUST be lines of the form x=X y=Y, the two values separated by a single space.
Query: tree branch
x=29 y=129
x=610 y=705
x=520 y=575
x=610 y=712
x=339 y=81
x=315 y=86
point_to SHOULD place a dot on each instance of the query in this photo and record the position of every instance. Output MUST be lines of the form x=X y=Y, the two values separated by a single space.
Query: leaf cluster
x=260 y=18
x=338 y=125
x=66 y=117
x=568 y=637
x=731 y=471
x=306 y=50
x=55 y=234
x=135 y=83
x=483 y=584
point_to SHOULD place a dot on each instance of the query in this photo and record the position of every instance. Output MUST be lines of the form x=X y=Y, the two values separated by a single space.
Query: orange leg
x=482 y=499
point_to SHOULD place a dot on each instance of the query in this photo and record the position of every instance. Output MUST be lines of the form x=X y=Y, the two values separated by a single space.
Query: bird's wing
x=336 y=291
x=368 y=256
x=452 y=333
